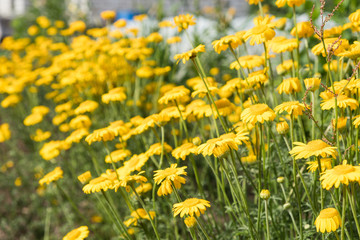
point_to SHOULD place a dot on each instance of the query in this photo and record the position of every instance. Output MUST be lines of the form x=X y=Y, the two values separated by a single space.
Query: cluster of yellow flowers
x=104 y=100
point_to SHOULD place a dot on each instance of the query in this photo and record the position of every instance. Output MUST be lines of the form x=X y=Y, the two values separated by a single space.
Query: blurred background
x=17 y=15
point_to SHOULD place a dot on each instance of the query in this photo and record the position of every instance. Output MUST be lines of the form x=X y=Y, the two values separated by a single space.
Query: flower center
x=259 y=29
x=191 y=202
x=258 y=109
x=316 y=145
x=328 y=213
x=343 y=169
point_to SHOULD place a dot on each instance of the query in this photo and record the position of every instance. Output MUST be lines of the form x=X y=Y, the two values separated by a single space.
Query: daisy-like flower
x=156 y=149
x=223 y=43
x=80 y=121
x=223 y=144
x=175 y=94
x=169 y=176
x=249 y=61
x=329 y=220
x=77 y=135
x=115 y=94
x=356 y=121
x=293 y=108
x=125 y=179
x=313 y=148
x=343 y=101
x=257 y=113
x=190 y=207
x=289 y=86
x=186 y=56
x=314 y=165
x=259 y=34
x=79 y=233
x=102 y=134
x=287 y=45
x=340 y=46
x=297 y=3
x=355 y=16
x=139 y=213
x=87 y=106
x=304 y=30
x=286 y=66
x=190 y=222
x=136 y=162
x=52 y=176
x=282 y=127
x=340 y=124
x=5 y=133
x=184 y=21
x=312 y=83
x=97 y=184
x=343 y=173
x=50 y=150
x=254 y=2
x=184 y=150
x=85 y=177
x=40 y=135
x=117 y=155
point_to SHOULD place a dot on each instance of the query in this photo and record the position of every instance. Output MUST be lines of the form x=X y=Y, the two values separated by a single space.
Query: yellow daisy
x=289 y=86
x=329 y=220
x=186 y=56
x=52 y=176
x=79 y=233
x=169 y=176
x=258 y=113
x=313 y=148
x=343 y=101
x=293 y=108
x=191 y=207
x=343 y=173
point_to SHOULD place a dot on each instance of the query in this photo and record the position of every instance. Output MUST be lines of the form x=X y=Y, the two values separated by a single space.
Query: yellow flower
x=10 y=101
x=52 y=176
x=173 y=40
x=259 y=34
x=165 y=23
x=190 y=222
x=139 y=213
x=115 y=94
x=254 y=2
x=251 y=158
x=313 y=148
x=214 y=71
x=190 y=207
x=304 y=30
x=221 y=145
x=40 y=136
x=169 y=176
x=117 y=155
x=282 y=127
x=285 y=45
x=289 y=85
x=154 y=37
x=77 y=234
x=84 y=177
x=145 y=72
x=343 y=173
x=293 y=108
x=140 y=17
x=175 y=94
x=314 y=165
x=286 y=66
x=97 y=184
x=356 y=121
x=312 y=83
x=355 y=16
x=81 y=121
x=341 y=122
x=184 y=150
x=249 y=61
x=5 y=133
x=143 y=188
x=18 y=182
x=186 y=56
x=341 y=46
x=50 y=150
x=32 y=119
x=257 y=113
x=33 y=30
x=102 y=134
x=87 y=106
x=184 y=21
x=108 y=15
x=136 y=162
x=120 y=23
x=43 y=21
x=297 y=3
x=77 y=135
x=156 y=149
x=225 y=42
x=343 y=101
x=329 y=220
